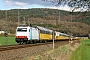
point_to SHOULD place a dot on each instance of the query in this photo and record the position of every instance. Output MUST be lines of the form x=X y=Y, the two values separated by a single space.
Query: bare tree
x=75 y=4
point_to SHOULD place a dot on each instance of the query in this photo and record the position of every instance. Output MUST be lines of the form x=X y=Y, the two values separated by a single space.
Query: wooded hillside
x=76 y=23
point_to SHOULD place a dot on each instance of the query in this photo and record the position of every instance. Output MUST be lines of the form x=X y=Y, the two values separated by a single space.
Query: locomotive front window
x=22 y=30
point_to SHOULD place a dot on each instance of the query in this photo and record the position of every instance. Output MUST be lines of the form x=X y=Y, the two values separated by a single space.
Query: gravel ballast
x=19 y=54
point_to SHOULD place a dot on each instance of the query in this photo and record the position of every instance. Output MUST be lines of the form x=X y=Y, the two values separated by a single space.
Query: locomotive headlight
x=25 y=36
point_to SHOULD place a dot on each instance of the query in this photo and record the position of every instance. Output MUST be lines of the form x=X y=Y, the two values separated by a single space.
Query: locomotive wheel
x=21 y=43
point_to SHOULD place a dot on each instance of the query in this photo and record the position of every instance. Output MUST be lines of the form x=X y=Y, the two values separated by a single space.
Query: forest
x=75 y=23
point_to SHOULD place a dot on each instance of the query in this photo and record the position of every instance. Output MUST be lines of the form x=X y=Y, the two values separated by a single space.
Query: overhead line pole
x=6 y=21
x=18 y=18
x=70 y=39
x=53 y=39
x=19 y=15
x=6 y=29
x=59 y=21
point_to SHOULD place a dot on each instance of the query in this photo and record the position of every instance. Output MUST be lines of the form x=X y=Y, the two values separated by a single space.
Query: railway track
x=11 y=47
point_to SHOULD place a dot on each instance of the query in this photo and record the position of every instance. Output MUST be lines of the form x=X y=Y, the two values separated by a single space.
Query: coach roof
x=45 y=29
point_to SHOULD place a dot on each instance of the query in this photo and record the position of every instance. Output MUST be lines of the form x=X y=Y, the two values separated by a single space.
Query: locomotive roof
x=23 y=27
x=45 y=29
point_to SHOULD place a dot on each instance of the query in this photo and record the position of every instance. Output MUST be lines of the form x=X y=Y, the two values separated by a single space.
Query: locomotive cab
x=26 y=34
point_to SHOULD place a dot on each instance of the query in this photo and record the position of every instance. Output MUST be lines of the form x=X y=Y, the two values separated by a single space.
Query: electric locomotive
x=26 y=34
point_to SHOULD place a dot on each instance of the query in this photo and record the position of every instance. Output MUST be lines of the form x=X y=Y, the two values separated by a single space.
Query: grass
x=7 y=40
x=82 y=52
x=60 y=53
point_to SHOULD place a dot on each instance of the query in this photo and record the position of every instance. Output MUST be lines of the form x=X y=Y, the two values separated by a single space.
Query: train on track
x=39 y=34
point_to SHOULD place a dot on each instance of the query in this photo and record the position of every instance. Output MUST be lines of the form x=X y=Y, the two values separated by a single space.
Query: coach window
x=46 y=32
x=50 y=32
x=59 y=34
x=41 y=31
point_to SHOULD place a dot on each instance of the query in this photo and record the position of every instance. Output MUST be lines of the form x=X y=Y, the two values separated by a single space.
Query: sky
x=27 y=4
